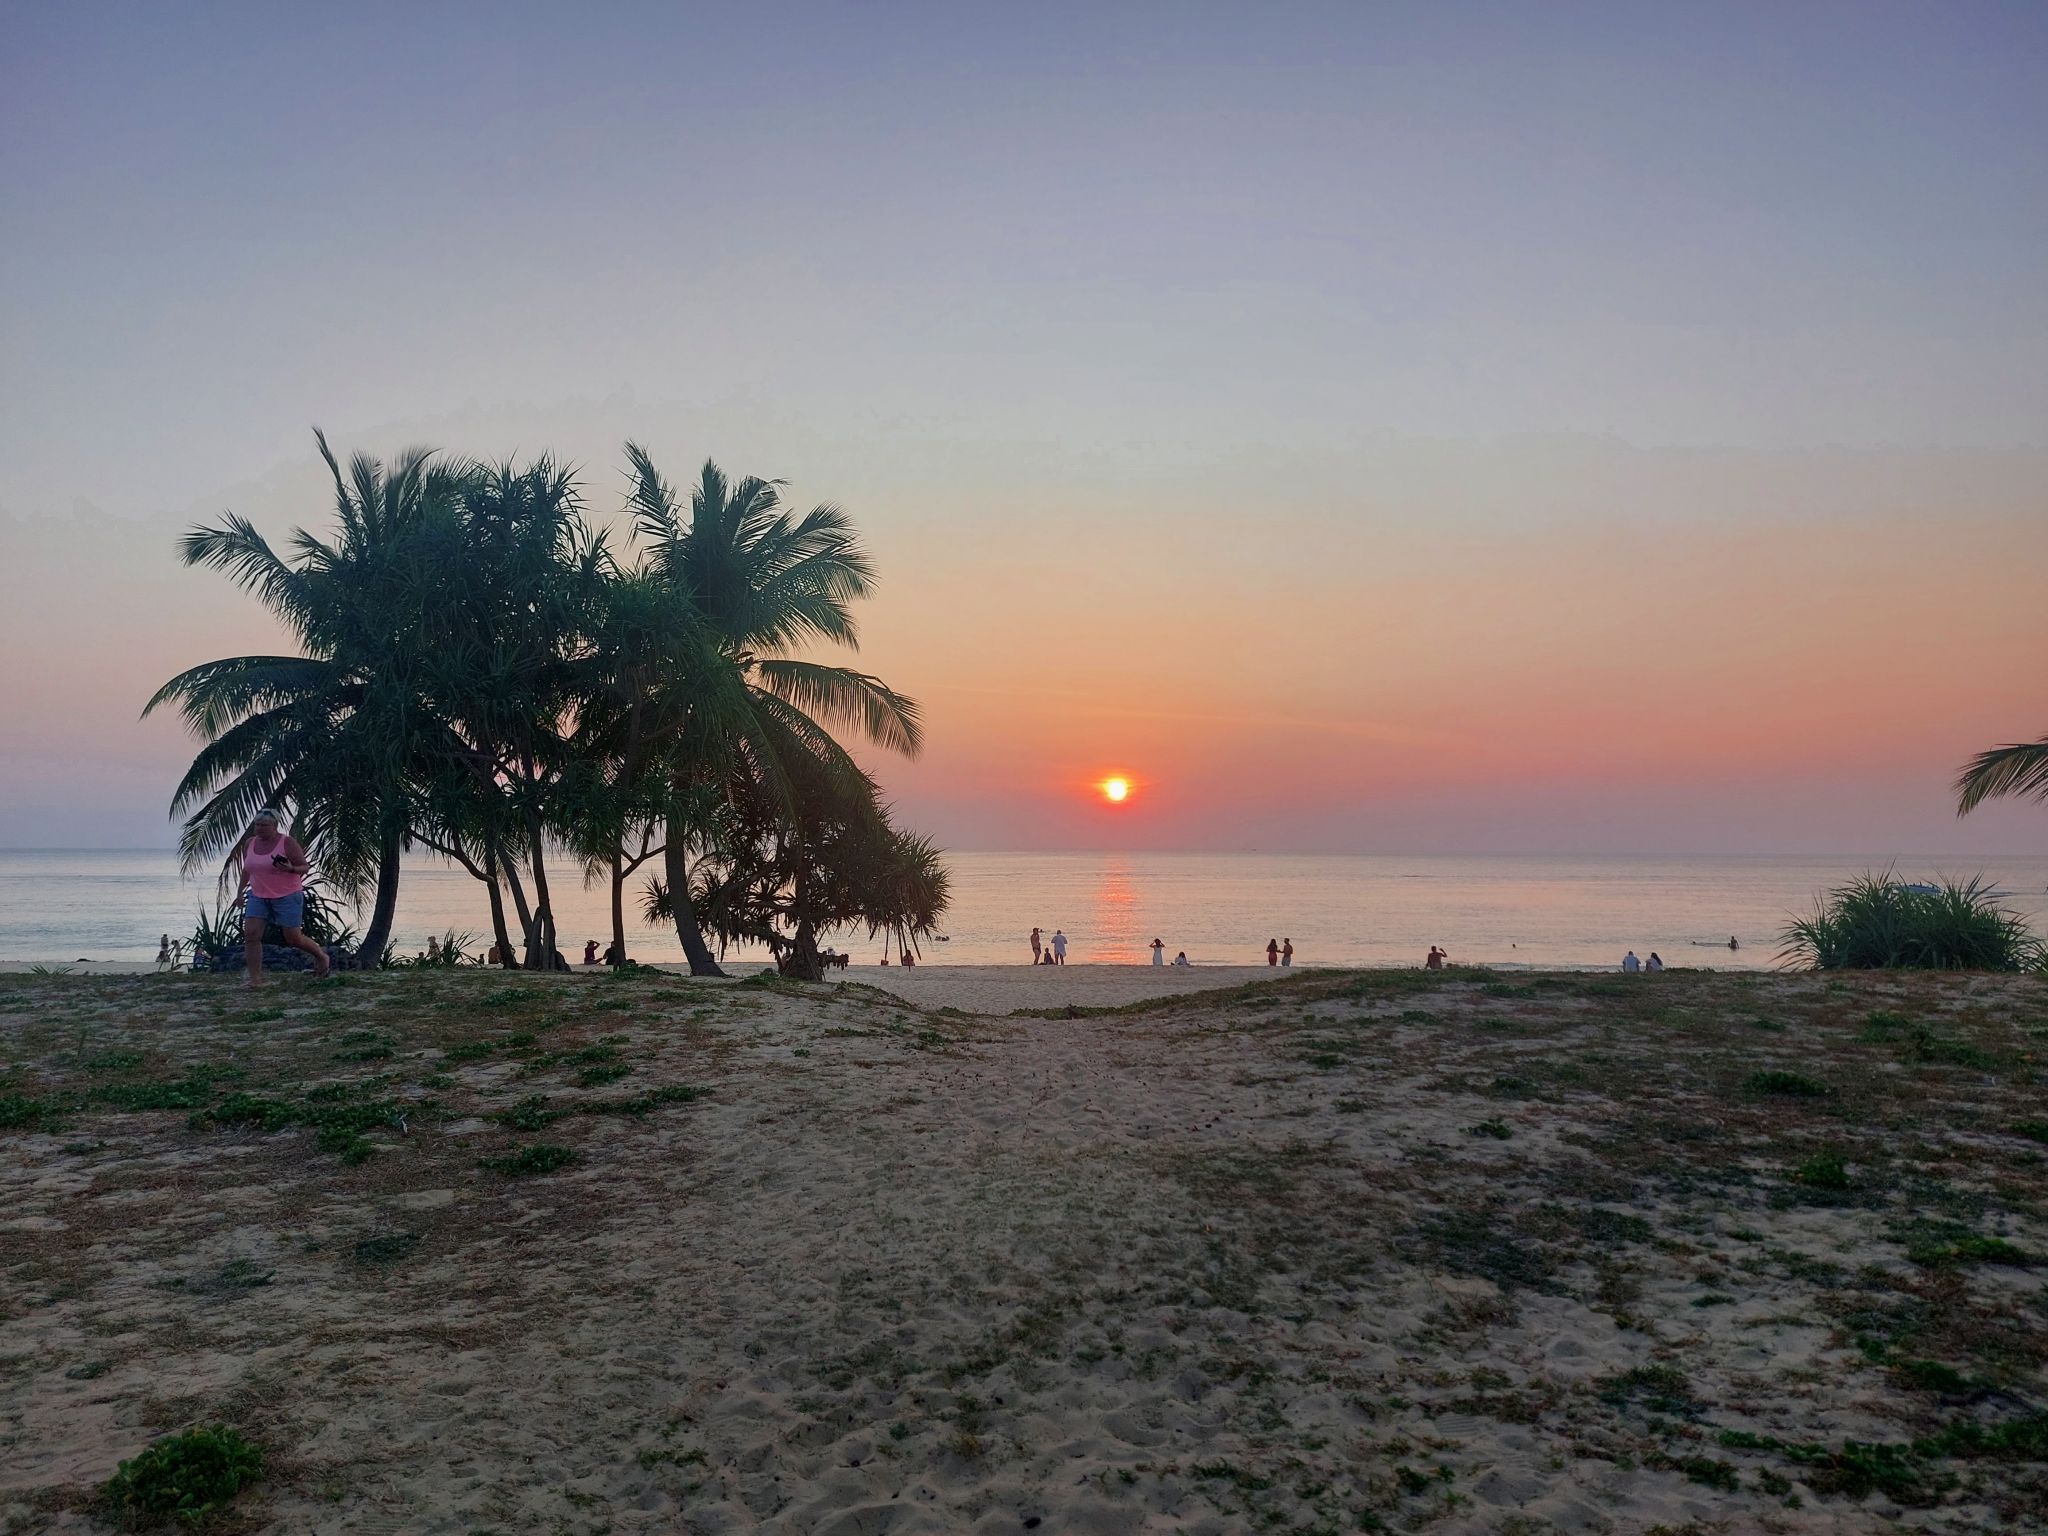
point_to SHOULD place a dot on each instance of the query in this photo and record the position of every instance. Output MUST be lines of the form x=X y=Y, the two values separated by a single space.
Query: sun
x=1116 y=790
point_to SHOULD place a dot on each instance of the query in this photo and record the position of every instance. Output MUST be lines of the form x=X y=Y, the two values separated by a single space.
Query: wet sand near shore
x=1352 y=1250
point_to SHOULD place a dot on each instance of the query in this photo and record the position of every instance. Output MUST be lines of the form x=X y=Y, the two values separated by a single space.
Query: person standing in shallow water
x=1272 y=951
x=273 y=890
x=1286 y=952
x=1036 y=944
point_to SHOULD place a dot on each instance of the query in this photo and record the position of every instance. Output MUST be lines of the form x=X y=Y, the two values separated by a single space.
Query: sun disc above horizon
x=1116 y=790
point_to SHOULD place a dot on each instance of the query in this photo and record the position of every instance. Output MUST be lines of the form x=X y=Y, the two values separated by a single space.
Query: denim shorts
x=285 y=911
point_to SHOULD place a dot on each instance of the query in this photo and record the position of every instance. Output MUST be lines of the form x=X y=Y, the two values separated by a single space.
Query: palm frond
x=842 y=696
x=2019 y=769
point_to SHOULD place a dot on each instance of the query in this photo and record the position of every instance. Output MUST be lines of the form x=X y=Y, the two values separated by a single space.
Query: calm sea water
x=1220 y=908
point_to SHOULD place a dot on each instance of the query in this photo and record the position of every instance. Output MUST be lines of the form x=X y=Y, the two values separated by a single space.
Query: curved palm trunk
x=378 y=935
x=499 y=933
x=676 y=863
x=540 y=938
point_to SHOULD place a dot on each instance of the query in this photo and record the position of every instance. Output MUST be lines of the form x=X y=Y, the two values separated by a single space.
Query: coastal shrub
x=1879 y=922
x=185 y=1479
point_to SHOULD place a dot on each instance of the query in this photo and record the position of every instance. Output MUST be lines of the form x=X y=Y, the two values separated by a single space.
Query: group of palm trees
x=485 y=675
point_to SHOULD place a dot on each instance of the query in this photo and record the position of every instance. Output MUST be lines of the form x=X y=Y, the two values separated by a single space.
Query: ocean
x=1339 y=909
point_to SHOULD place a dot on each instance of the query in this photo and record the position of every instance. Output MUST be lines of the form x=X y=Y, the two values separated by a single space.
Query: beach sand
x=1345 y=1251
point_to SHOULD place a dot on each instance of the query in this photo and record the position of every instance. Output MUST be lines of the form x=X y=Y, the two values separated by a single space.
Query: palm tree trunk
x=519 y=905
x=540 y=942
x=498 y=930
x=378 y=934
x=618 y=909
x=676 y=861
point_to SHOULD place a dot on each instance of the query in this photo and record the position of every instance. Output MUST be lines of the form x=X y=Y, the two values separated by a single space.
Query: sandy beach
x=1342 y=1251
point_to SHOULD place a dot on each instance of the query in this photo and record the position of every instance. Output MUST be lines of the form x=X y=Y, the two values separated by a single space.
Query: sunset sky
x=1434 y=428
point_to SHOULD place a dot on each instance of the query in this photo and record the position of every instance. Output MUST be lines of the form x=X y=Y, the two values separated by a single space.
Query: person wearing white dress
x=1159 y=952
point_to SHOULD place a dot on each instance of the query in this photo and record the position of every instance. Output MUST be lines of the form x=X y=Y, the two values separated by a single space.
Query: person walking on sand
x=1272 y=951
x=1035 y=944
x=1286 y=952
x=1159 y=952
x=273 y=890
x=1630 y=963
x=1059 y=947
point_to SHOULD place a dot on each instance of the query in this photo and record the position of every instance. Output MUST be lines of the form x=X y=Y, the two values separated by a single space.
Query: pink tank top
x=265 y=878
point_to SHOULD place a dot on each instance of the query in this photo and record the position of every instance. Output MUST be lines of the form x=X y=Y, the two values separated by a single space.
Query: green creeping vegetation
x=541 y=1157
x=185 y=1479
x=1497 y=1129
x=1774 y=1083
x=1879 y=922
x=1939 y=1244
x=1901 y=1471
x=339 y=1113
x=536 y=1112
x=2033 y=1130
x=1828 y=1171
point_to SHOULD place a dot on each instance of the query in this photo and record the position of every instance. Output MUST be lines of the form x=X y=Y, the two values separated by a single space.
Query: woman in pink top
x=274 y=880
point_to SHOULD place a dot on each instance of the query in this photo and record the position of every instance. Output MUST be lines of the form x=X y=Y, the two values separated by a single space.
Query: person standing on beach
x=273 y=890
x=1159 y=952
x=1034 y=946
x=1059 y=947
x=1287 y=952
x=1272 y=951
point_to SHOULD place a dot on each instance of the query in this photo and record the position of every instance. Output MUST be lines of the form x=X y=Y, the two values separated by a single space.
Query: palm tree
x=338 y=733
x=2020 y=768
x=751 y=582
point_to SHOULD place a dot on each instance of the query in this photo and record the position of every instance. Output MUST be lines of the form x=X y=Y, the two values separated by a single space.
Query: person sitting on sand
x=1059 y=947
x=1159 y=952
x=590 y=951
x=1654 y=963
x=1181 y=958
x=1286 y=952
x=1436 y=959
x=1046 y=958
x=1035 y=944
x=1630 y=963
x=1272 y=951
x=612 y=955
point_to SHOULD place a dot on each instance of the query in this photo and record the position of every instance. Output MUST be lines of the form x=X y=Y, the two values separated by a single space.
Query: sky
x=1454 y=428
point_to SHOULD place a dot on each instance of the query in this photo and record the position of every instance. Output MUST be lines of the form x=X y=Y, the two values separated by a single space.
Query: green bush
x=186 y=1479
x=1879 y=922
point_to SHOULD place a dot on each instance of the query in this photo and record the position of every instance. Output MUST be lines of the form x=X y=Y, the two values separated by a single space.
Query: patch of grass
x=1511 y=1086
x=114 y=1061
x=2033 y=1130
x=1770 y=1082
x=1938 y=1244
x=1931 y=1376
x=190 y=1092
x=21 y=1112
x=597 y=1077
x=509 y=997
x=243 y=1275
x=187 y=1479
x=1825 y=1171
x=1926 y=1048
x=1497 y=1129
x=1243 y=1478
x=530 y=1114
x=1659 y=1388
x=541 y=1157
x=1882 y=1027
x=386 y=1247
x=1487 y=1245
